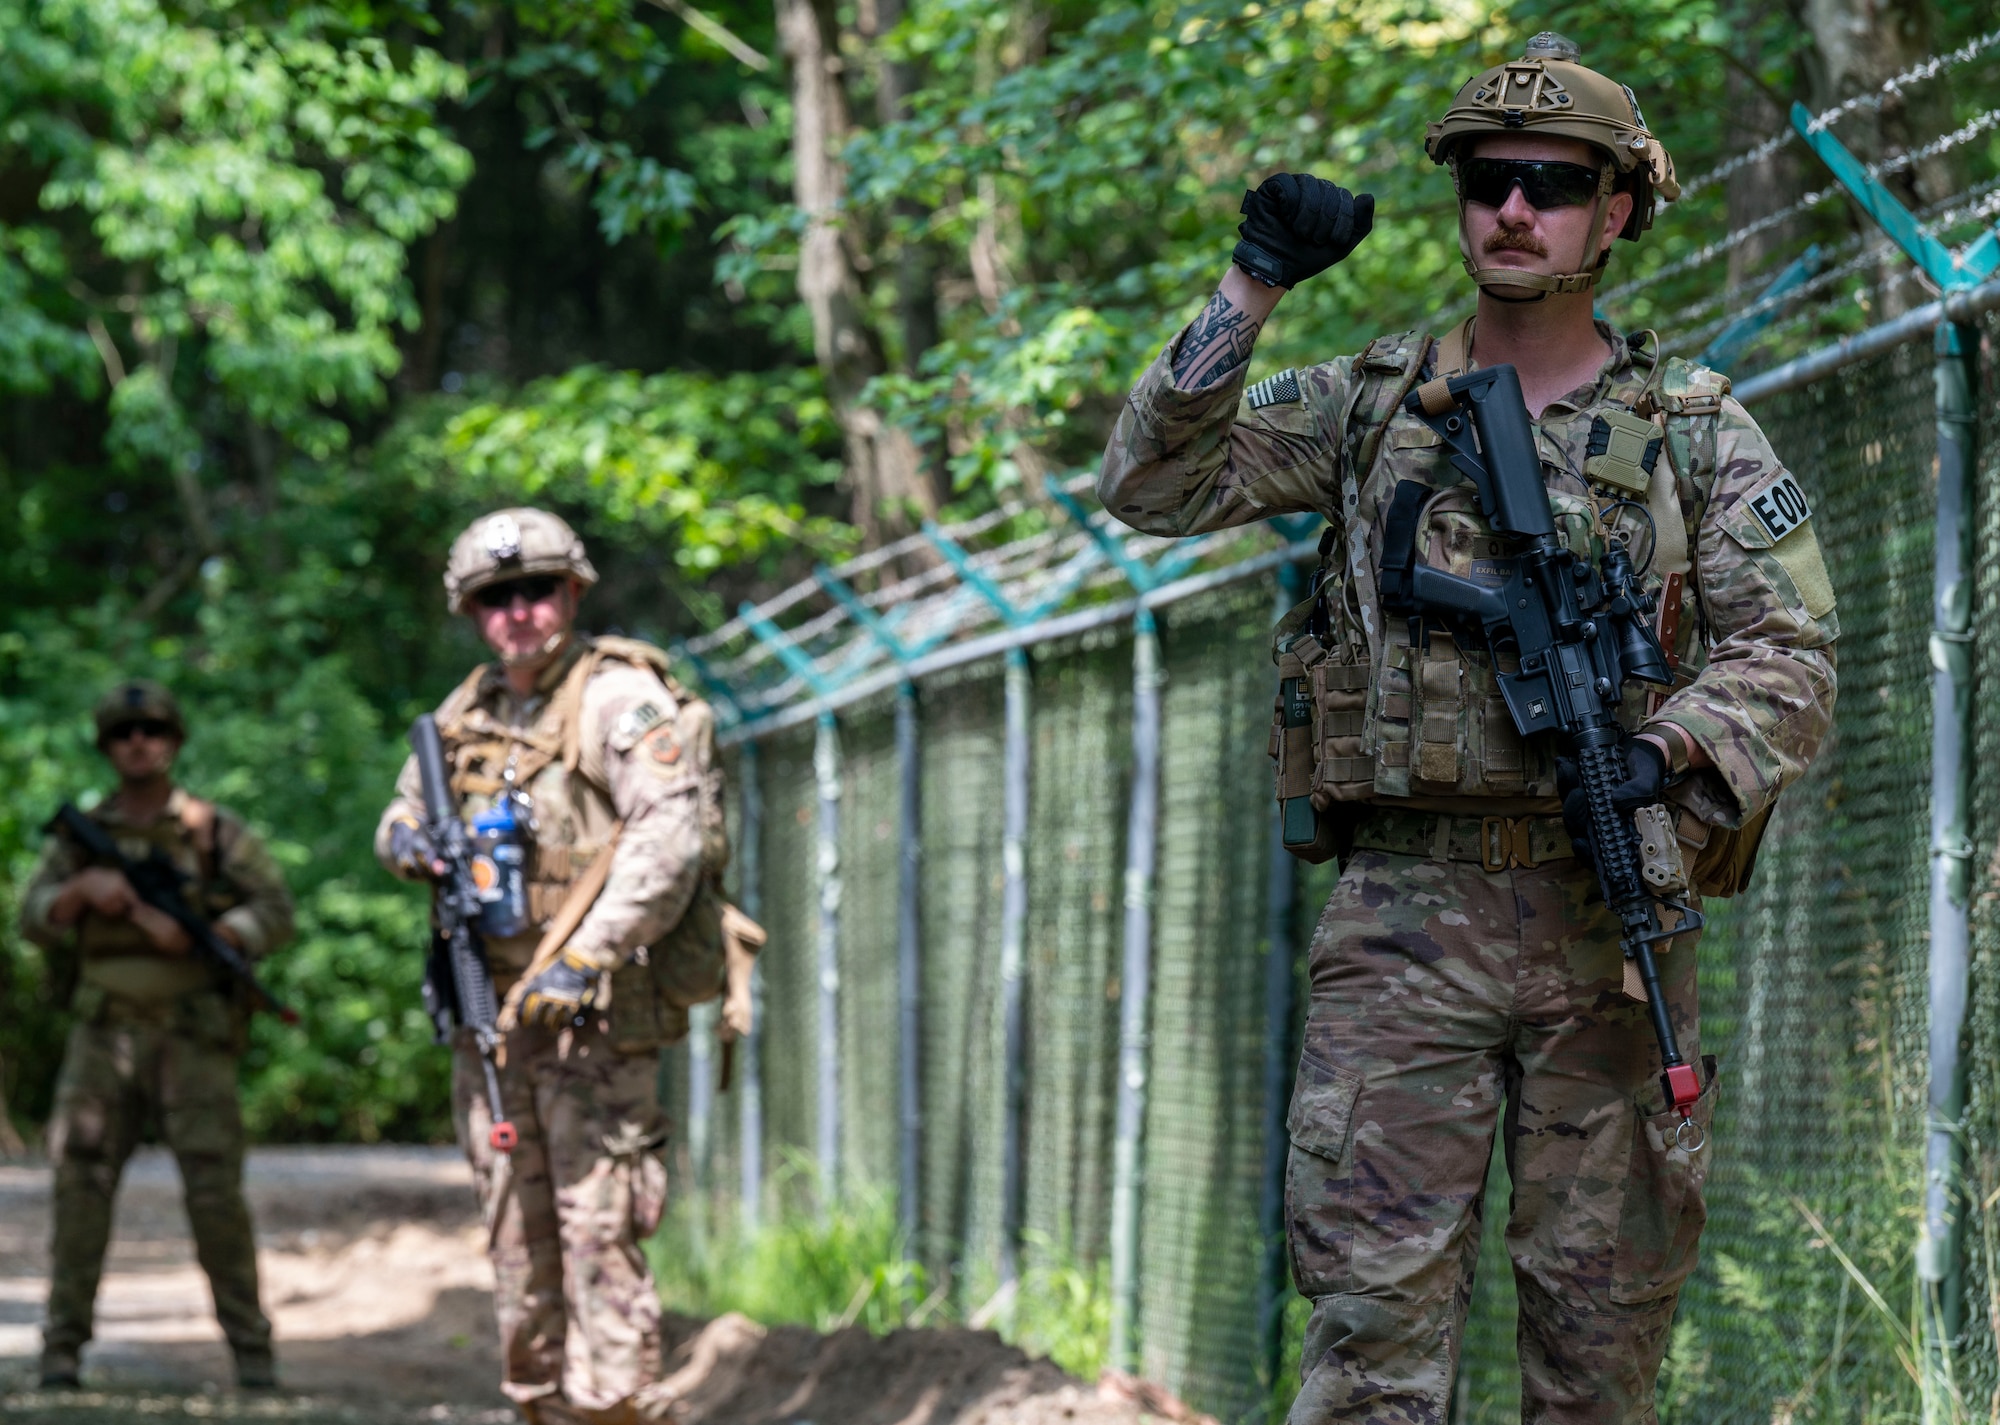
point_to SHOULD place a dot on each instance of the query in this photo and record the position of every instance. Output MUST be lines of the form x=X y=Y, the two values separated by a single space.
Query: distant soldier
x=586 y=755
x=157 y=1037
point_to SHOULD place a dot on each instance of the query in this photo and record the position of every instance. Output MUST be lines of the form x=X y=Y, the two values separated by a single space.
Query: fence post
x=826 y=774
x=701 y=1091
x=1013 y=932
x=1940 y=1263
x=909 y=968
x=1135 y=991
x=1280 y=1002
x=750 y=1107
x=1013 y=899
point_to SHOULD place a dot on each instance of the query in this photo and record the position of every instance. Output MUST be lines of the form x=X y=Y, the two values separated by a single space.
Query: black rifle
x=1580 y=634
x=460 y=990
x=158 y=882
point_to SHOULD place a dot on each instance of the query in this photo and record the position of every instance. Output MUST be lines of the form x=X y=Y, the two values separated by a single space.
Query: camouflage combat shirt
x=1757 y=691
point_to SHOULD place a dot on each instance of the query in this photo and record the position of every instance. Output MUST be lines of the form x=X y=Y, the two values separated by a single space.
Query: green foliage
x=843 y=1267
x=1063 y=1308
x=719 y=466
x=846 y=1267
x=243 y=188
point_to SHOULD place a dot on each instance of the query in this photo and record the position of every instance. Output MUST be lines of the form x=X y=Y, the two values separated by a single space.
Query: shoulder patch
x=633 y=724
x=662 y=747
x=1779 y=505
x=1275 y=390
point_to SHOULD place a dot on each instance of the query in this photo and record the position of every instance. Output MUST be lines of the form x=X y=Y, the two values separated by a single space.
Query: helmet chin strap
x=1487 y=279
x=550 y=650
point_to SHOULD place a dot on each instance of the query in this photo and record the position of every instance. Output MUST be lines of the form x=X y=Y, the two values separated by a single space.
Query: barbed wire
x=1826 y=118
x=1879 y=252
x=1938 y=217
x=1964 y=134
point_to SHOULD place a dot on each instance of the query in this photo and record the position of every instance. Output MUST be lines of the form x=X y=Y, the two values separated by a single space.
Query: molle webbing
x=1440 y=688
x=1341 y=691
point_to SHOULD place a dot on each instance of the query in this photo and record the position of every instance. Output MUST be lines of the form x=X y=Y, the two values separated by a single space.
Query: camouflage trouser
x=1447 y=1000
x=579 y=1317
x=123 y=1068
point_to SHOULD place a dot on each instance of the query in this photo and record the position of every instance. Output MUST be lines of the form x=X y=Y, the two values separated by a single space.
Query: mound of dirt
x=732 y=1371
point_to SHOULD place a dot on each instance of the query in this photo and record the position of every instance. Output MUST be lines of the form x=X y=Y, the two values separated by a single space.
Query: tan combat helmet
x=137 y=700
x=1547 y=91
x=512 y=544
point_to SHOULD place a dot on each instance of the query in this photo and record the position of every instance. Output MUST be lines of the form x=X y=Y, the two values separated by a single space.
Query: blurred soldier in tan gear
x=1466 y=977
x=616 y=769
x=157 y=1038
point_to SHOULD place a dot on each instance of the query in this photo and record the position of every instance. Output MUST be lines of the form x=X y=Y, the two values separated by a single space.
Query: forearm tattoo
x=1217 y=343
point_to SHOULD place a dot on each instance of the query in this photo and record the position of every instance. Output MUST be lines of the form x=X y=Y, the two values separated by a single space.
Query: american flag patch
x=1275 y=390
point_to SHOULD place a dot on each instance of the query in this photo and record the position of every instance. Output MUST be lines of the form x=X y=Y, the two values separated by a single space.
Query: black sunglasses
x=534 y=588
x=151 y=726
x=1544 y=183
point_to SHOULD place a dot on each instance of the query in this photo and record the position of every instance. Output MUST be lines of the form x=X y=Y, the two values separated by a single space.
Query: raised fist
x=1296 y=226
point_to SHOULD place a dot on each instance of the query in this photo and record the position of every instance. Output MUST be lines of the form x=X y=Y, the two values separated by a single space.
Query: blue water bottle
x=500 y=867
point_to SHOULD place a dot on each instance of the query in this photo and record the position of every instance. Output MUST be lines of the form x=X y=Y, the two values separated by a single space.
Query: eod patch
x=1780 y=506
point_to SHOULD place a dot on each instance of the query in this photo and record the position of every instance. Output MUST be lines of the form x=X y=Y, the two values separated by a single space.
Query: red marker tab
x=503 y=1137
x=1682 y=1088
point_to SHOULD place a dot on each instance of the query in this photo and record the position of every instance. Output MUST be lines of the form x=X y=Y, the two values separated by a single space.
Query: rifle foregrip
x=1611 y=837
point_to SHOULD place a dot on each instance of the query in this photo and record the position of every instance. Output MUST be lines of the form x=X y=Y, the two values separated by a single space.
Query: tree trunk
x=885 y=476
x=1762 y=188
x=1857 y=45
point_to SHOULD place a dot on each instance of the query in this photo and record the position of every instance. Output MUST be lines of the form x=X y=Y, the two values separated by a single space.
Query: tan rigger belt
x=1496 y=843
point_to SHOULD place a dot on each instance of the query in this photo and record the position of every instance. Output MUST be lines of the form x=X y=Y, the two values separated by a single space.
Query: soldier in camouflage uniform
x=1466 y=977
x=157 y=1039
x=614 y=762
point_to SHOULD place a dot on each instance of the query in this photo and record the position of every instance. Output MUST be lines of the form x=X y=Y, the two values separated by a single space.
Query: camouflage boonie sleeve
x=635 y=746
x=57 y=863
x=1763 y=704
x=263 y=922
x=1187 y=462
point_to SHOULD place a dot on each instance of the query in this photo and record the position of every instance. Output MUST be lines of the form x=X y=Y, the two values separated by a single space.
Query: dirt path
x=372 y=1272
x=377 y=1285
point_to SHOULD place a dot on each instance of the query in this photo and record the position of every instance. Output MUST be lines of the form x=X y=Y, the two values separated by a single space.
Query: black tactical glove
x=1645 y=777
x=415 y=855
x=1296 y=226
x=560 y=995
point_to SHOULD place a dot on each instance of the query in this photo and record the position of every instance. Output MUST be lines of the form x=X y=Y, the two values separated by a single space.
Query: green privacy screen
x=1813 y=983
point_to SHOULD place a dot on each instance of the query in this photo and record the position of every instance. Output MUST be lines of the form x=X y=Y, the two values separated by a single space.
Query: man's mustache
x=1515 y=240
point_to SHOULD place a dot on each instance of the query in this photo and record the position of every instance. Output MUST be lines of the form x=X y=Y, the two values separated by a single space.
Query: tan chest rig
x=1373 y=707
x=188 y=838
x=576 y=831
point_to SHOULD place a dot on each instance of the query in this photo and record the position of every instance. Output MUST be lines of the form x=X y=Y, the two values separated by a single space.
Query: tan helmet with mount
x=513 y=544
x=1548 y=93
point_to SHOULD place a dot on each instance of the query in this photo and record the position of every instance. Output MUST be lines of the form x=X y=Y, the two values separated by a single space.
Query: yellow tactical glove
x=561 y=994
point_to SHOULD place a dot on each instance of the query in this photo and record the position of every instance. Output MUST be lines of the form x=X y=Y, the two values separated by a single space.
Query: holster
x=1720 y=858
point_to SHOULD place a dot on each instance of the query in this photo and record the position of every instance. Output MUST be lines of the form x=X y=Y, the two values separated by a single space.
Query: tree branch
x=717 y=31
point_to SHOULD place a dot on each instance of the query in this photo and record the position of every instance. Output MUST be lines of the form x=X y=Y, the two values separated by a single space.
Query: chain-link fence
x=1814 y=982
